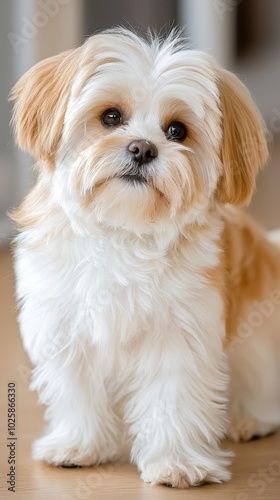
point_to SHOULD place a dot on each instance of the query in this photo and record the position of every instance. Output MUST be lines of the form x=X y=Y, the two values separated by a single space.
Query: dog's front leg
x=177 y=416
x=83 y=429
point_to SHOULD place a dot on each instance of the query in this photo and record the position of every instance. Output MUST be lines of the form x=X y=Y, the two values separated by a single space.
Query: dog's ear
x=40 y=98
x=244 y=148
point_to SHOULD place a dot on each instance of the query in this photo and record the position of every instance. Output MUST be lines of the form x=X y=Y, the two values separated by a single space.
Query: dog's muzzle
x=141 y=153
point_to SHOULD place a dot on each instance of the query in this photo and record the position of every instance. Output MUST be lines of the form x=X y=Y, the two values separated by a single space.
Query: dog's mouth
x=134 y=178
x=135 y=174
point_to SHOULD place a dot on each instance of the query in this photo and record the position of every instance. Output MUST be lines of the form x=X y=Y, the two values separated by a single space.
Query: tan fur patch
x=41 y=98
x=252 y=265
x=244 y=148
x=33 y=211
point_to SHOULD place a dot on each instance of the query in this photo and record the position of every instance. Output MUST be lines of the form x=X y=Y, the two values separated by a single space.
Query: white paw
x=182 y=476
x=67 y=454
x=246 y=428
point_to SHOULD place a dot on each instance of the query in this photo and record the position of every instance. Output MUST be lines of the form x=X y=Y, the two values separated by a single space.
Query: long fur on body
x=132 y=292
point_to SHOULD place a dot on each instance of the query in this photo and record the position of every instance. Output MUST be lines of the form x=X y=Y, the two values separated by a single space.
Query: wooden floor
x=256 y=467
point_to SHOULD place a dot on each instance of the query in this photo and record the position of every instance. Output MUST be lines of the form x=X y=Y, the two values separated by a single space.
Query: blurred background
x=243 y=35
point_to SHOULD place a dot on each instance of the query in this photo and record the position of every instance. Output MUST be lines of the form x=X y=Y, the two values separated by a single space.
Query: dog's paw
x=182 y=476
x=247 y=428
x=58 y=454
x=63 y=454
x=175 y=477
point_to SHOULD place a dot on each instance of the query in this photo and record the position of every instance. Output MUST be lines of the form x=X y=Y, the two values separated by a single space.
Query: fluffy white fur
x=124 y=326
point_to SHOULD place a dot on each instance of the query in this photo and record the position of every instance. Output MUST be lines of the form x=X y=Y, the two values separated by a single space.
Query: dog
x=136 y=269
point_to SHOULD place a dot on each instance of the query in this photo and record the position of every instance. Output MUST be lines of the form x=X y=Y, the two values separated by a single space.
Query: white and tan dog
x=135 y=272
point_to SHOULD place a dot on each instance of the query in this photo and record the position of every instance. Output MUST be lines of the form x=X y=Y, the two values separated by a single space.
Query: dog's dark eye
x=176 y=132
x=112 y=118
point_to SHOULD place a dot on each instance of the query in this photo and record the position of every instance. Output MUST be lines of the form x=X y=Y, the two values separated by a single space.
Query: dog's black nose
x=143 y=151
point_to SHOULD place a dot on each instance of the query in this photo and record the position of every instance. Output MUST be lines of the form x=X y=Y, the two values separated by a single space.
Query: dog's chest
x=124 y=289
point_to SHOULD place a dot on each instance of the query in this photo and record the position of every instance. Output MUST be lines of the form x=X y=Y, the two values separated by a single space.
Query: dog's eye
x=112 y=118
x=176 y=132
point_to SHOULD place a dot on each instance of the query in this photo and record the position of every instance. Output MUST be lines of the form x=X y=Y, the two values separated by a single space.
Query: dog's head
x=132 y=132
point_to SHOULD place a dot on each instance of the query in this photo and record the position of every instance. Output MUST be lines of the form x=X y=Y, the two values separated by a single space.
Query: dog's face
x=133 y=133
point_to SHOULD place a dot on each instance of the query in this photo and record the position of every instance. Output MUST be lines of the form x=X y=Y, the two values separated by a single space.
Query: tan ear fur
x=244 y=148
x=41 y=97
